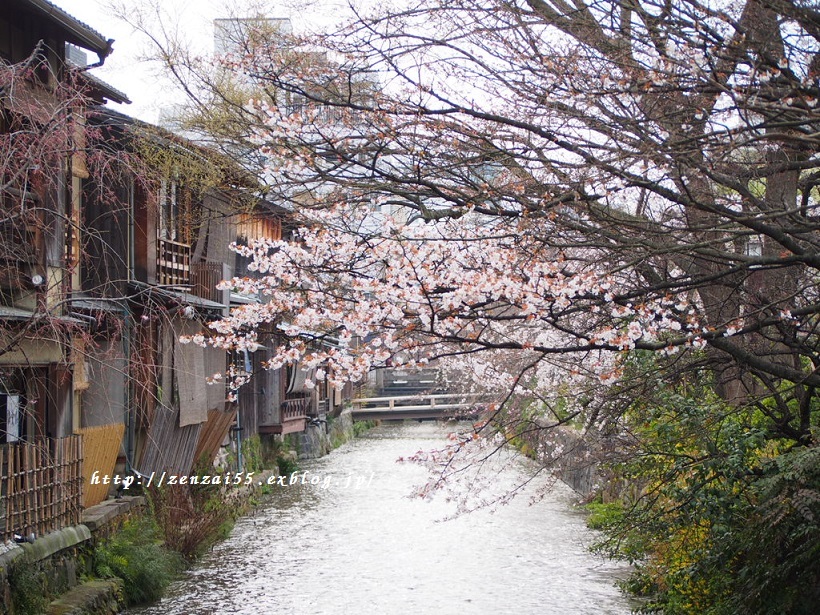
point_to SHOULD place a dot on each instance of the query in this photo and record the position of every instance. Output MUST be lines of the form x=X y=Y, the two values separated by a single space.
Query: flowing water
x=356 y=543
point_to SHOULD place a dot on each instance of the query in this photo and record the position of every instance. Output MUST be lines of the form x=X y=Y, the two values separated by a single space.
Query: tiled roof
x=80 y=33
x=108 y=91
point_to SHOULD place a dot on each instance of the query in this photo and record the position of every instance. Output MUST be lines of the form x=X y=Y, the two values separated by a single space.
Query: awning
x=143 y=292
x=96 y=304
x=193 y=300
x=22 y=315
x=240 y=299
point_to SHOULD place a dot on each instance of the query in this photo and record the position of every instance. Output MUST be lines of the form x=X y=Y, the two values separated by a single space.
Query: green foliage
x=135 y=555
x=291 y=442
x=777 y=552
x=722 y=512
x=286 y=465
x=604 y=515
x=26 y=584
x=362 y=427
x=252 y=459
x=162 y=160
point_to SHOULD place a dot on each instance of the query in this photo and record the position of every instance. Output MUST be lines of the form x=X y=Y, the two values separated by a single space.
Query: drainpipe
x=239 y=460
x=129 y=384
x=238 y=439
x=129 y=415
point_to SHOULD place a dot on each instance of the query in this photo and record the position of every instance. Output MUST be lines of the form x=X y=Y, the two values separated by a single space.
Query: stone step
x=101 y=597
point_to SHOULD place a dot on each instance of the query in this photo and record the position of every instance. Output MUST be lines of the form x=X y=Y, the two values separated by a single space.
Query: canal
x=356 y=543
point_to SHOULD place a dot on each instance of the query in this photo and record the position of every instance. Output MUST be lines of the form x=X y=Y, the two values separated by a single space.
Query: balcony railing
x=295 y=408
x=173 y=263
x=204 y=278
x=293 y=417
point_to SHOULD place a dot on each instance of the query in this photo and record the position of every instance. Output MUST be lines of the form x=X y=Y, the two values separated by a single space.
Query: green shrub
x=252 y=459
x=286 y=465
x=360 y=427
x=603 y=515
x=26 y=590
x=135 y=555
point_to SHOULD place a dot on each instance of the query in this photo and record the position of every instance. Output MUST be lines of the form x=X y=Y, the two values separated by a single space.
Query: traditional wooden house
x=280 y=404
x=174 y=237
x=113 y=237
x=43 y=103
x=185 y=210
x=182 y=213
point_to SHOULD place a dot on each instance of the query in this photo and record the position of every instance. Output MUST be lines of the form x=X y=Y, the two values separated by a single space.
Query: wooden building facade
x=111 y=248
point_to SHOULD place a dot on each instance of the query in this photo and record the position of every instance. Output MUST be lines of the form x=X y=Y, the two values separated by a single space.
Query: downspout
x=129 y=382
x=239 y=460
x=238 y=438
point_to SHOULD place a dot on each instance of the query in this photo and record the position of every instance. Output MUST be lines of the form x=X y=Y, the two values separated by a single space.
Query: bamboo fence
x=40 y=486
x=101 y=445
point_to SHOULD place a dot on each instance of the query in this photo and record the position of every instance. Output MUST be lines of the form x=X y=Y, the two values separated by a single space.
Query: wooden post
x=12 y=487
x=60 y=477
x=36 y=465
x=30 y=514
x=80 y=443
x=6 y=482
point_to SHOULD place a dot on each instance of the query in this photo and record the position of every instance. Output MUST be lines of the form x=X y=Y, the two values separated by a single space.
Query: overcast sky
x=126 y=71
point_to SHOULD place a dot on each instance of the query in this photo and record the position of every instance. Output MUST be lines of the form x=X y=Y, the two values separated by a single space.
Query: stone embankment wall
x=62 y=558
x=576 y=465
x=54 y=565
x=321 y=438
x=576 y=460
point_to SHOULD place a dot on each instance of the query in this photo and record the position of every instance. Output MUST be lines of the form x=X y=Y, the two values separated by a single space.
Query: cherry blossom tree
x=538 y=185
x=572 y=204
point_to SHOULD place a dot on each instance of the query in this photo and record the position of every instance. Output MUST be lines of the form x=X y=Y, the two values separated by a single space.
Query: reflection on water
x=353 y=542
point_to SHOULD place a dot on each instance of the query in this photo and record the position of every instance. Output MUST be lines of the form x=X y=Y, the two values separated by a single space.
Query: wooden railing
x=293 y=416
x=416 y=406
x=295 y=408
x=173 y=263
x=204 y=278
x=40 y=486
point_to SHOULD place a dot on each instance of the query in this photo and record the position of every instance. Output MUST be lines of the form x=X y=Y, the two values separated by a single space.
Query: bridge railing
x=433 y=403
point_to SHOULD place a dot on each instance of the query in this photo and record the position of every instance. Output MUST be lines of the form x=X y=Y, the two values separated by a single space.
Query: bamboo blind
x=101 y=445
x=40 y=486
x=213 y=434
x=170 y=447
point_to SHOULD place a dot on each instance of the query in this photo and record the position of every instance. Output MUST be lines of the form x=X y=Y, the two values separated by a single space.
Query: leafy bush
x=724 y=514
x=776 y=553
x=286 y=465
x=135 y=555
x=26 y=590
x=603 y=515
x=361 y=427
x=252 y=458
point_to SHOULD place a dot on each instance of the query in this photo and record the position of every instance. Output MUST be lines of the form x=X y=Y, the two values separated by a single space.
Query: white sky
x=125 y=68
